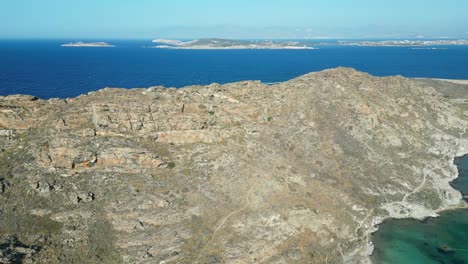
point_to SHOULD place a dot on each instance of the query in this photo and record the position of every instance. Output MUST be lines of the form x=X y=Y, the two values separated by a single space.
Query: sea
x=45 y=69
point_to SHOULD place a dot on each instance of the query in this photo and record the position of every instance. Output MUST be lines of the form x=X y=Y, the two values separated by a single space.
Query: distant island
x=88 y=44
x=404 y=43
x=168 y=41
x=216 y=43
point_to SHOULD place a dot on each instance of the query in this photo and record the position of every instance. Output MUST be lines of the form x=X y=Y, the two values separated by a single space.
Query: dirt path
x=223 y=221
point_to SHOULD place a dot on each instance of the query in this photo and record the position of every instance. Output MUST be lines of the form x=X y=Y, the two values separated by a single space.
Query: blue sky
x=232 y=18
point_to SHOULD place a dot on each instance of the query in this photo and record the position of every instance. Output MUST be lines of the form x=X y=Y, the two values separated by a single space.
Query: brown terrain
x=296 y=172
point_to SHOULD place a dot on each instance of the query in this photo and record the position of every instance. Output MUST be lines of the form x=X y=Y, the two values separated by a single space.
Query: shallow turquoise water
x=435 y=240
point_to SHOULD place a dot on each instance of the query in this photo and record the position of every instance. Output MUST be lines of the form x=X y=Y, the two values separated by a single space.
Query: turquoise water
x=435 y=240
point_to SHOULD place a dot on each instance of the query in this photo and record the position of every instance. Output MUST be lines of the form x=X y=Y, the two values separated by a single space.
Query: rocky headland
x=296 y=172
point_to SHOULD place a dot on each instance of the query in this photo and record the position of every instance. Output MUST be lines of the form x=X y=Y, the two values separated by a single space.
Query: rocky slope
x=296 y=172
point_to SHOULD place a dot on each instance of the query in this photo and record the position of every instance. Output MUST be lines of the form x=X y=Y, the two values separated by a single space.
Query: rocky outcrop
x=296 y=172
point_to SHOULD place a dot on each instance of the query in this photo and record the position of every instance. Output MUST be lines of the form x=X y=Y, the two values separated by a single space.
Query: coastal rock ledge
x=296 y=172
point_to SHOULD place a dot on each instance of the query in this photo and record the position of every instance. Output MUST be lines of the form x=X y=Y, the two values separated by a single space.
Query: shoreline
x=461 y=204
x=456 y=81
x=371 y=246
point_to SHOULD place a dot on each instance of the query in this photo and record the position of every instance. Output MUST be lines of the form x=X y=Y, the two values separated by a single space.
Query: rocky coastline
x=294 y=172
x=420 y=215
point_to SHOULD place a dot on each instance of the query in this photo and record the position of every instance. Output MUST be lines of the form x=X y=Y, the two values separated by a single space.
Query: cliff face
x=237 y=173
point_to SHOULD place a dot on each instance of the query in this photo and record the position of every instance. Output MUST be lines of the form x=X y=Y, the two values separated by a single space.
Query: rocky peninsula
x=296 y=172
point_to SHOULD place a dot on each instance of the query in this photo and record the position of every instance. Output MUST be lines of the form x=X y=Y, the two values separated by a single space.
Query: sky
x=187 y=19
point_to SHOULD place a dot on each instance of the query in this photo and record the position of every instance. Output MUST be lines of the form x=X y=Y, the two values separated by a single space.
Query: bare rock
x=299 y=171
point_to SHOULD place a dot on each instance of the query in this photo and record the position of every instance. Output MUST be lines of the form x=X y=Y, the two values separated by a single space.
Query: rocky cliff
x=297 y=172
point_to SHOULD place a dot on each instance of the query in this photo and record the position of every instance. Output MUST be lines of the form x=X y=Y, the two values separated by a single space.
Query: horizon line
x=261 y=38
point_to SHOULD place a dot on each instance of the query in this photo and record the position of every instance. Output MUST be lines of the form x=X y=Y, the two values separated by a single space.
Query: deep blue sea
x=45 y=69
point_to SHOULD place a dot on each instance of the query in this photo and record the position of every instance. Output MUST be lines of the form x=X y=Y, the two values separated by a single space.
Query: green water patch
x=443 y=239
x=435 y=240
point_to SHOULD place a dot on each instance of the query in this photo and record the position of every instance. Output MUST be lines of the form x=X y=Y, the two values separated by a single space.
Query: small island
x=88 y=44
x=216 y=43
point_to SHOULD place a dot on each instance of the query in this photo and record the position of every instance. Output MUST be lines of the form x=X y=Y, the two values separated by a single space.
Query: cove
x=443 y=239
